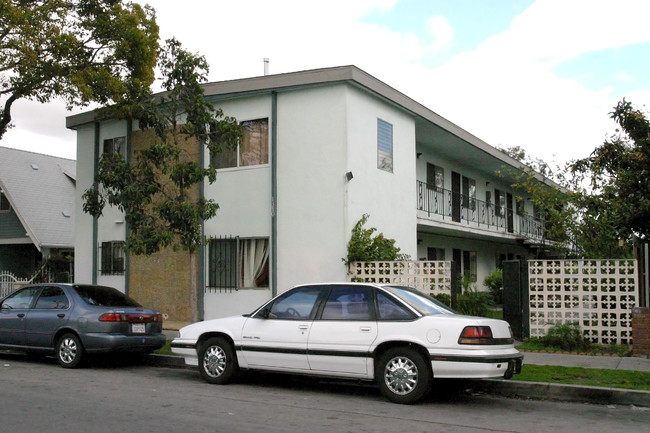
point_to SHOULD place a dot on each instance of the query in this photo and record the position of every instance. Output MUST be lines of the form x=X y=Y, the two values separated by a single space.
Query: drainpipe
x=200 y=301
x=274 y=194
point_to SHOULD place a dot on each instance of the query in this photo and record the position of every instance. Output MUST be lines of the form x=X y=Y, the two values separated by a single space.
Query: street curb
x=506 y=388
x=561 y=392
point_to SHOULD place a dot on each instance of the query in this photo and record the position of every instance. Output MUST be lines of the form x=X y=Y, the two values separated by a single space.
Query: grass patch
x=537 y=345
x=166 y=349
x=624 y=379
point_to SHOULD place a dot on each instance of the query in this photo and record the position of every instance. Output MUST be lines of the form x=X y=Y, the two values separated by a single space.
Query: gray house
x=37 y=196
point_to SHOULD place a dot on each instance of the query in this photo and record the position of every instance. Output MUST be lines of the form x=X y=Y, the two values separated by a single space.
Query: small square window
x=115 y=145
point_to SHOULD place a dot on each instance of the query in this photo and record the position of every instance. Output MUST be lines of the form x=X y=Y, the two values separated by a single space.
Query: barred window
x=236 y=263
x=112 y=258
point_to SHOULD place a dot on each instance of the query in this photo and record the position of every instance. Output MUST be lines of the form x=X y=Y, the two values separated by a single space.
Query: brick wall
x=641 y=331
x=164 y=280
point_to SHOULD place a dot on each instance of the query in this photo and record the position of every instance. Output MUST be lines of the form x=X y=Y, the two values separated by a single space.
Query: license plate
x=138 y=328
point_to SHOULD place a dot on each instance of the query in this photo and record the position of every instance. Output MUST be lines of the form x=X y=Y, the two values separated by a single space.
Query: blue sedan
x=71 y=320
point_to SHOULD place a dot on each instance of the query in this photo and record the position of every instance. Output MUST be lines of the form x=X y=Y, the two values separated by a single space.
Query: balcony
x=438 y=203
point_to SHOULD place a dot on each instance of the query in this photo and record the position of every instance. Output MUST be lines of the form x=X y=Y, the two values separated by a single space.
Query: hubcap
x=401 y=375
x=68 y=350
x=214 y=361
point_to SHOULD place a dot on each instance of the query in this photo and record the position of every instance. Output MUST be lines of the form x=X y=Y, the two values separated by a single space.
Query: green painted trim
x=201 y=251
x=95 y=220
x=274 y=194
x=127 y=262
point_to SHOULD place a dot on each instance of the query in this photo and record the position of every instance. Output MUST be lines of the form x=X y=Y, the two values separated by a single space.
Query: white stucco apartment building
x=322 y=148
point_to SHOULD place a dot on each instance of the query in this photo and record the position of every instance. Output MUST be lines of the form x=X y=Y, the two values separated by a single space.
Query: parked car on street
x=394 y=335
x=71 y=320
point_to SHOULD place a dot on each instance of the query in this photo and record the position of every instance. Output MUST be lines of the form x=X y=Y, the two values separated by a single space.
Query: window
x=520 y=206
x=348 y=303
x=435 y=177
x=112 y=257
x=384 y=146
x=295 y=305
x=236 y=263
x=4 y=203
x=21 y=299
x=469 y=193
x=500 y=201
x=52 y=298
x=115 y=145
x=435 y=254
x=388 y=309
x=469 y=264
x=253 y=149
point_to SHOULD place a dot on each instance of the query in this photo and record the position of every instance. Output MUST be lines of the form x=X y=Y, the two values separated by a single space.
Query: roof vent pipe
x=266 y=66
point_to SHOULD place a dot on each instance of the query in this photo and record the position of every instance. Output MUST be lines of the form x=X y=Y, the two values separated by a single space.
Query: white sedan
x=394 y=335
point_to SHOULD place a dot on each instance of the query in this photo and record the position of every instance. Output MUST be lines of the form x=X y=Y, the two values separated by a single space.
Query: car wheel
x=217 y=361
x=69 y=351
x=403 y=375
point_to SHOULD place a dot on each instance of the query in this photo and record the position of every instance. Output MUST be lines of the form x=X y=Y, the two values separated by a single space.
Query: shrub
x=475 y=303
x=494 y=282
x=567 y=336
x=443 y=297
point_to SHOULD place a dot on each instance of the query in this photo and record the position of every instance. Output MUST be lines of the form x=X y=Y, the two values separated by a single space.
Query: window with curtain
x=469 y=193
x=253 y=148
x=238 y=263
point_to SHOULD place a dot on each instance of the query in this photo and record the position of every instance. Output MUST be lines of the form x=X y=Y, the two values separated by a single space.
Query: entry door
x=455 y=196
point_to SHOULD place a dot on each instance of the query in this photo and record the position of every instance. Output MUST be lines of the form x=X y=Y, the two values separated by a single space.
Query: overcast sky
x=543 y=75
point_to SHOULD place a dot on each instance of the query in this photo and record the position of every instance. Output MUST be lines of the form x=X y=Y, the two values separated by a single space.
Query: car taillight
x=476 y=335
x=111 y=317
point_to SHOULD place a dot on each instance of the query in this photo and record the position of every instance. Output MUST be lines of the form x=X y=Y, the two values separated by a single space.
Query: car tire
x=69 y=351
x=217 y=361
x=403 y=375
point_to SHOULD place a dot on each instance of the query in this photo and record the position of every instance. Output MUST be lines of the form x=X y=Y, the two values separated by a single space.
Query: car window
x=388 y=309
x=52 y=298
x=20 y=299
x=297 y=304
x=348 y=303
x=104 y=296
x=424 y=304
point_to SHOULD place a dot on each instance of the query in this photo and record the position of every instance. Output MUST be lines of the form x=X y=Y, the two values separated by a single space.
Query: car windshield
x=424 y=304
x=102 y=296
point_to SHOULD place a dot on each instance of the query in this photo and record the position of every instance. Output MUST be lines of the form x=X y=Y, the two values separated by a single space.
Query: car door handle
x=303 y=327
x=61 y=315
x=365 y=329
x=21 y=315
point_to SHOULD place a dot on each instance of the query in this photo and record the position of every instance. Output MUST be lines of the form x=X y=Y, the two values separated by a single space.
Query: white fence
x=431 y=277
x=596 y=294
x=9 y=283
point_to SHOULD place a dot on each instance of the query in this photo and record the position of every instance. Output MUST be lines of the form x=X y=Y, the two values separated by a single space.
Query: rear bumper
x=96 y=343
x=477 y=367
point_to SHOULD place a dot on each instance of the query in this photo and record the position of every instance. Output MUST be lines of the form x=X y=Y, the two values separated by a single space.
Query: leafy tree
x=158 y=190
x=366 y=246
x=83 y=51
x=618 y=175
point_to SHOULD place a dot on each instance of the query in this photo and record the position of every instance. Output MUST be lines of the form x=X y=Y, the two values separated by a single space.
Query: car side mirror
x=266 y=314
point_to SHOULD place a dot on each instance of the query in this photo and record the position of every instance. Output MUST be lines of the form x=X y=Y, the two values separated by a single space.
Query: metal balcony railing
x=435 y=202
